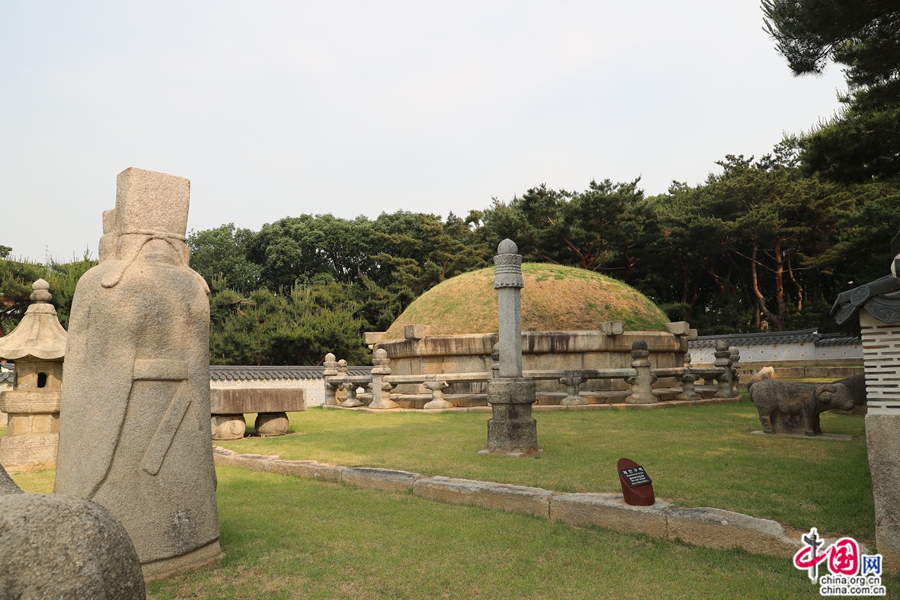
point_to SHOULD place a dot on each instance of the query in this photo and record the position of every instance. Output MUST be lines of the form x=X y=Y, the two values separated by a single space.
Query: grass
x=286 y=537
x=696 y=456
x=555 y=298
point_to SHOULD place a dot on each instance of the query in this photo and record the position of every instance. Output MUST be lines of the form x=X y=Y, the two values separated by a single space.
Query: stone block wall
x=541 y=350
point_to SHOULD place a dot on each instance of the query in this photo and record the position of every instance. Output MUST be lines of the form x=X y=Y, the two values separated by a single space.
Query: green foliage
x=219 y=255
x=596 y=229
x=762 y=244
x=15 y=287
x=862 y=143
x=297 y=328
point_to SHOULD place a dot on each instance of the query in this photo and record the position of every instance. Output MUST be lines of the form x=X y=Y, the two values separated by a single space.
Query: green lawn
x=696 y=456
x=287 y=537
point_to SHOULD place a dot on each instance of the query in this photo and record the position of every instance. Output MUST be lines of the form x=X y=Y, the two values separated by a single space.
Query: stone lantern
x=37 y=346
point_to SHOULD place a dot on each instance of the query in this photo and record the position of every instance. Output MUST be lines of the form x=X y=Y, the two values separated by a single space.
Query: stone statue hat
x=149 y=206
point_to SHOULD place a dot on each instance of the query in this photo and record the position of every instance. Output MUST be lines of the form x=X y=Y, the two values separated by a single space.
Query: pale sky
x=275 y=109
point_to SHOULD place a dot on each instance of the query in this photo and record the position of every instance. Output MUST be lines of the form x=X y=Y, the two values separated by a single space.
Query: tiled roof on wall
x=770 y=338
x=253 y=373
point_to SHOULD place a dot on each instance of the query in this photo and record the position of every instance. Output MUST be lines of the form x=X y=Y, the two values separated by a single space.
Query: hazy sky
x=275 y=109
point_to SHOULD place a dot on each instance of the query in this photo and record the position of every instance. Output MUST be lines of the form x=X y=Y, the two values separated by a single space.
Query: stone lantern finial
x=41 y=291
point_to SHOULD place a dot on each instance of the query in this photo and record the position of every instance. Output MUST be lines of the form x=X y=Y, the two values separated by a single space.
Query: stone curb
x=707 y=527
x=379 y=479
x=514 y=498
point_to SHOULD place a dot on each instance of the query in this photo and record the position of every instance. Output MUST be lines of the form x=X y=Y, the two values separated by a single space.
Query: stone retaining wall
x=541 y=350
x=708 y=527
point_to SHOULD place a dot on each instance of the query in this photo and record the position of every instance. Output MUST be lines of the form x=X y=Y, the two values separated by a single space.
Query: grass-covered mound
x=555 y=298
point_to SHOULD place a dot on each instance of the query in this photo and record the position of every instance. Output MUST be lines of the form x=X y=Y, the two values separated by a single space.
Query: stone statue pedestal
x=511 y=430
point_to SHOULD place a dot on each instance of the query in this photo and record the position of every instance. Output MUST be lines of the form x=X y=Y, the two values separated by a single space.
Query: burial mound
x=555 y=298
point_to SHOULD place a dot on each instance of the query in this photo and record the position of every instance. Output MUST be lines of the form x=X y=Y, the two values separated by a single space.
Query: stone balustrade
x=719 y=381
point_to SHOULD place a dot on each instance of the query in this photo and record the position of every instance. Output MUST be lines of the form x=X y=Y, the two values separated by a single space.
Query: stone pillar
x=735 y=359
x=883 y=444
x=881 y=343
x=642 y=383
x=37 y=346
x=330 y=371
x=511 y=430
x=724 y=382
x=340 y=393
x=381 y=390
x=687 y=381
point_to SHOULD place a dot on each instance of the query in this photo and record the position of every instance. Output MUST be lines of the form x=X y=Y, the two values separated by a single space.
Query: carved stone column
x=330 y=371
x=381 y=390
x=511 y=430
x=642 y=383
x=724 y=382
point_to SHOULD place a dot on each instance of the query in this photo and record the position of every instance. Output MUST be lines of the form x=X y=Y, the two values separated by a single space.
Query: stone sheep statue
x=794 y=407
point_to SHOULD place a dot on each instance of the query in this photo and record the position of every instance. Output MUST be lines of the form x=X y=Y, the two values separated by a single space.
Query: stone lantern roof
x=39 y=333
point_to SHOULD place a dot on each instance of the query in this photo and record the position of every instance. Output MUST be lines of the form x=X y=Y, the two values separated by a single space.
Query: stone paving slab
x=707 y=527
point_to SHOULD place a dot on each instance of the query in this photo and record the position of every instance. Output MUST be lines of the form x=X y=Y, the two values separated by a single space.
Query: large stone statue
x=134 y=417
x=793 y=407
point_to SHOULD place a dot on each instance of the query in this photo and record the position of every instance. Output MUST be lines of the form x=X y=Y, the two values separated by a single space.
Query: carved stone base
x=270 y=424
x=228 y=427
x=28 y=452
x=512 y=431
x=165 y=567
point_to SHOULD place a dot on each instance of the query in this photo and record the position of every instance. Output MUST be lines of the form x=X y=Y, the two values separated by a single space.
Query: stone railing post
x=343 y=370
x=351 y=401
x=735 y=370
x=511 y=430
x=572 y=384
x=381 y=389
x=330 y=371
x=724 y=382
x=437 y=394
x=687 y=381
x=642 y=383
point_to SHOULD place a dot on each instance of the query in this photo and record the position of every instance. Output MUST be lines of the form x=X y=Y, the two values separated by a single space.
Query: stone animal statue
x=794 y=407
x=761 y=375
x=55 y=546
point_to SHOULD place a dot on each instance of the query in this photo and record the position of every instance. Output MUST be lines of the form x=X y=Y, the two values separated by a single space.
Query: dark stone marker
x=637 y=488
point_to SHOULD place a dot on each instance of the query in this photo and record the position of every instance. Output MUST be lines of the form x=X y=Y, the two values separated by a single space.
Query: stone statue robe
x=135 y=417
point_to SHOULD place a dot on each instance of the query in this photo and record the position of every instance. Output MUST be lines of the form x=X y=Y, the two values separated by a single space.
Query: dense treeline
x=760 y=245
x=766 y=243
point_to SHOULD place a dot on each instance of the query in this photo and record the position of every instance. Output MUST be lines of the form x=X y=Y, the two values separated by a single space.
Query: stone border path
x=708 y=527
